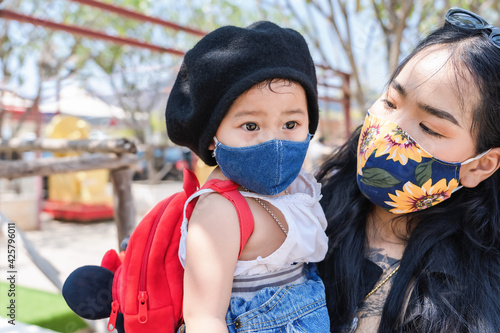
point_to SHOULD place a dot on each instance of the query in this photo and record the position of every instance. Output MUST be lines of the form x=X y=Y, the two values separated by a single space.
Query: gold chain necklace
x=377 y=287
x=270 y=211
x=272 y=214
x=354 y=323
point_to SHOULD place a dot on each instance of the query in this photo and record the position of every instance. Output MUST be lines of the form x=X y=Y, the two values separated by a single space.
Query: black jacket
x=446 y=295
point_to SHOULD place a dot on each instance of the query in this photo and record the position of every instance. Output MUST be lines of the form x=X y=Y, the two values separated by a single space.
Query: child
x=246 y=99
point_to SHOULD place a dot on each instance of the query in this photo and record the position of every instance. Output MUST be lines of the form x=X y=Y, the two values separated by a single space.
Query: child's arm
x=213 y=241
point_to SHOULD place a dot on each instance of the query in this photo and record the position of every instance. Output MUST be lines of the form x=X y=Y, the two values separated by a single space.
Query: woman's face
x=433 y=104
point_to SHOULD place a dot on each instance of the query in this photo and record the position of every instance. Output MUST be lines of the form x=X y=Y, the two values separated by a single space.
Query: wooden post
x=123 y=202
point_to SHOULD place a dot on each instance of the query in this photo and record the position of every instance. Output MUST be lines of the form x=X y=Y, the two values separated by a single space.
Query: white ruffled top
x=306 y=240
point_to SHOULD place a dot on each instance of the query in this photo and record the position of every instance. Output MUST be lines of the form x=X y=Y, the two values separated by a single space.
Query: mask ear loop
x=216 y=143
x=468 y=161
x=475 y=158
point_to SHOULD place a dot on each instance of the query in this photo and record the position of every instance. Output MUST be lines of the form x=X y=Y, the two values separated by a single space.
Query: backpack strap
x=190 y=182
x=229 y=190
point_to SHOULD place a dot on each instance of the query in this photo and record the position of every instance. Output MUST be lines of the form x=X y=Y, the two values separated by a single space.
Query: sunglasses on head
x=464 y=19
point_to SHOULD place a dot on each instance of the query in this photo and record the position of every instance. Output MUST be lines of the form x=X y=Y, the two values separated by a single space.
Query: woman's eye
x=429 y=131
x=290 y=125
x=251 y=126
x=389 y=104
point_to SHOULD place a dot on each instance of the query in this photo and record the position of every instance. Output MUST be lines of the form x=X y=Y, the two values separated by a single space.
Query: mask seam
x=279 y=147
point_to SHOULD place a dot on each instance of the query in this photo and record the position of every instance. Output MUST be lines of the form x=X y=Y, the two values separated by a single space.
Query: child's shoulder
x=213 y=206
x=214 y=220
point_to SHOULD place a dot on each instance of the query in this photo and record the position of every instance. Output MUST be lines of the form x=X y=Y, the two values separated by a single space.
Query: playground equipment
x=77 y=196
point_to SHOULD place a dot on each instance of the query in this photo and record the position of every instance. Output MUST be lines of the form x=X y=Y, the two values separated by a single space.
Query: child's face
x=266 y=112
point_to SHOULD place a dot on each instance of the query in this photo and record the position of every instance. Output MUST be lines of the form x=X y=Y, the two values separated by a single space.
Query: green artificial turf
x=40 y=308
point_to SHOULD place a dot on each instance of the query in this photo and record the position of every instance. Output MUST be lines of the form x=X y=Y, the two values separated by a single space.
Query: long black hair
x=461 y=234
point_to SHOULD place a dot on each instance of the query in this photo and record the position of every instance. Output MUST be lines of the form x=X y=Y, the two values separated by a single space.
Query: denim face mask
x=267 y=168
x=397 y=174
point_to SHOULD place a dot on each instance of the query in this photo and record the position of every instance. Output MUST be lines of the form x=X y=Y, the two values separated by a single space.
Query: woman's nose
x=406 y=121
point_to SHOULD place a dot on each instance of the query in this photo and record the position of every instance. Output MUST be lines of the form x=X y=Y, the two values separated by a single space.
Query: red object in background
x=78 y=212
x=181 y=165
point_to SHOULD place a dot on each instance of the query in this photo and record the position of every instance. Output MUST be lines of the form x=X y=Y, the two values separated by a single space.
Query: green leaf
x=377 y=177
x=423 y=172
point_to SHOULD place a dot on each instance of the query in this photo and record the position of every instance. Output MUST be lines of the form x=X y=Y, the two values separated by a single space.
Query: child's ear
x=477 y=171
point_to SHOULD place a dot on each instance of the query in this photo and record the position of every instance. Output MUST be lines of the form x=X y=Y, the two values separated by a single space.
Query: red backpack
x=148 y=282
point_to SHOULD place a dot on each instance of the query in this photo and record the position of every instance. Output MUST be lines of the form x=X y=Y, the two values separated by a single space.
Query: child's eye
x=250 y=126
x=290 y=125
x=429 y=131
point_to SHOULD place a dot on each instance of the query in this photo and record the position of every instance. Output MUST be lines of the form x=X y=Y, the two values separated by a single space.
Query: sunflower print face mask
x=397 y=174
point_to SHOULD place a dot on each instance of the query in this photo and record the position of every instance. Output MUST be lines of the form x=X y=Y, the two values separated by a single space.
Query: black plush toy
x=88 y=290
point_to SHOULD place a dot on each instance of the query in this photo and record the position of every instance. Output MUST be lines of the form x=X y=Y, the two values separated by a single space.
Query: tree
x=338 y=18
x=392 y=16
x=57 y=55
x=355 y=27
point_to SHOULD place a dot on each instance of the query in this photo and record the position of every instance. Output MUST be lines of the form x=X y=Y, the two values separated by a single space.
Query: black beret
x=224 y=64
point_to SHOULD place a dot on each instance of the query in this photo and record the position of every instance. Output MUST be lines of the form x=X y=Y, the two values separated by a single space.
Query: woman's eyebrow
x=398 y=87
x=426 y=107
x=438 y=113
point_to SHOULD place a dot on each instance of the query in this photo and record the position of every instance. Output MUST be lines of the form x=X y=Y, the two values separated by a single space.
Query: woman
x=412 y=199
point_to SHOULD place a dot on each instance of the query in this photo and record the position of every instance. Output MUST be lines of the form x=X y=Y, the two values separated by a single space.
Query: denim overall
x=291 y=308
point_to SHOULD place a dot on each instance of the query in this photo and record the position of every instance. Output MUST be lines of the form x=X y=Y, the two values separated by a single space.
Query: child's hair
x=461 y=234
x=224 y=64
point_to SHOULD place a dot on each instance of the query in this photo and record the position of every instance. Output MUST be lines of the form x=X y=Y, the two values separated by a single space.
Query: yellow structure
x=202 y=171
x=83 y=187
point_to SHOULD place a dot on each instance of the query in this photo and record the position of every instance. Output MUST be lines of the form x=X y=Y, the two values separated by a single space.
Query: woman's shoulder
x=453 y=254
x=456 y=279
